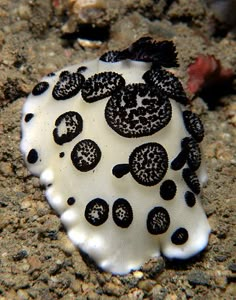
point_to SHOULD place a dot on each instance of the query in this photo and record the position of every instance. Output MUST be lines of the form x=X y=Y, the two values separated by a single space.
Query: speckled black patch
x=194 y=153
x=148 y=163
x=180 y=236
x=28 y=117
x=40 y=88
x=68 y=85
x=85 y=155
x=193 y=125
x=168 y=189
x=167 y=83
x=158 y=220
x=120 y=170
x=122 y=213
x=191 y=180
x=71 y=201
x=32 y=156
x=137 y=110
x=111 y=56
x=101 y=85
x=97 y=211
x=68 y=126
x=190 y=199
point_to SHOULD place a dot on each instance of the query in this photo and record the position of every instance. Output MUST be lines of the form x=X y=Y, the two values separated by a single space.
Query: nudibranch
x=119 y=155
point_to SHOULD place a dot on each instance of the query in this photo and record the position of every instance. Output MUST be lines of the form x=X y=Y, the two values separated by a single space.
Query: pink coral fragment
x=205 y=72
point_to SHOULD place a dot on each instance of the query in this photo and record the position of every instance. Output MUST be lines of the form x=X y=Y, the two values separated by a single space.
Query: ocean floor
x=37 y=260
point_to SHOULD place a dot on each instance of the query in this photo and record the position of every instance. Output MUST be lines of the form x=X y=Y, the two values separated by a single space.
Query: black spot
x=101 y=85
x=32 y=156
x=68 y=126
x=40 y=88
x=71 y=201
x=180 y=236
x=194 y=153
x=68 y=85
x=120 y=170
x=193 y=125
x=167 y=83
x=148 y=163
x=28 y=117
x=52 y=74
x=180 y=160
x=158 y=220
x=138 y=110
x=168 y=189
x=61 y=154
x=190 y=198
x=82 y=69
x=85 y=155
x=96 y=212
x=122 y=213
x=191 y=180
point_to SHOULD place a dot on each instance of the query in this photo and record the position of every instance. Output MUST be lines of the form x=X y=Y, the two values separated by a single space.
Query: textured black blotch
x=101 y=85
x=32 y=156
x=168 y=189
x=193 y=125
x=191 y=180
x=148 y=163
x=85 y=155
x=180 y=236
x=158 y=220
x=112 y=56
x=167 y=83
x=97 y=211
x=68 y=126
x=68 y=85
x=137 y=110
x=194 y=153
x=122 y=213
x=40 y=88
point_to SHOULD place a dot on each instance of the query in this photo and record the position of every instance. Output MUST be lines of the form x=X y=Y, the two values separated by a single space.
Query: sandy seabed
x=37 y=261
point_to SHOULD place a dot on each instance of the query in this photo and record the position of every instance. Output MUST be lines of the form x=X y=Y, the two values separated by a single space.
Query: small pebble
x=198 y=278
x=146 y=285
x=232 y=267
x=154 y=266
x=34 y=262
x=113 y=289
x=22 y=295
x=138 y=274
x=20 y=255
x=6 y=169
